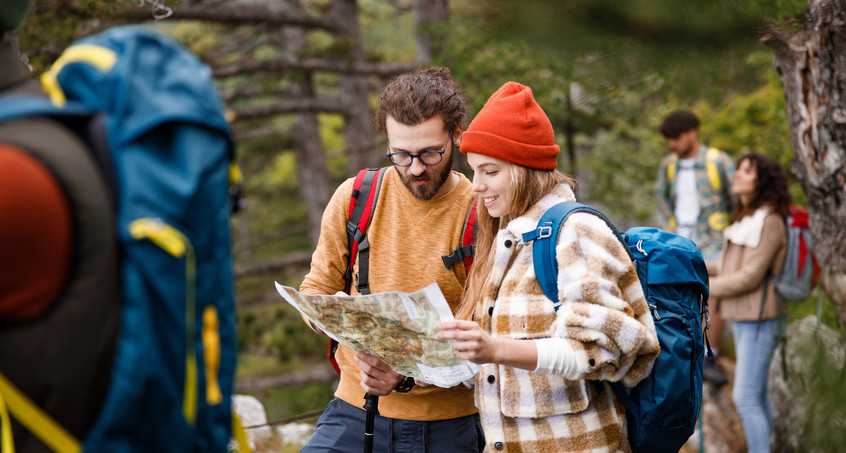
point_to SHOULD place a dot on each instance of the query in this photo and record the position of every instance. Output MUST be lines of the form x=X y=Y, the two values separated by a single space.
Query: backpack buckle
x=544 y=232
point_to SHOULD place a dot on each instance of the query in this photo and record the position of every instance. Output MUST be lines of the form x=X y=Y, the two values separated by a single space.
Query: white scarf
x=747 y=231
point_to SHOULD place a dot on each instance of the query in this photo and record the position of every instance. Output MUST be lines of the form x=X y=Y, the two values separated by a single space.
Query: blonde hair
x=528 y=185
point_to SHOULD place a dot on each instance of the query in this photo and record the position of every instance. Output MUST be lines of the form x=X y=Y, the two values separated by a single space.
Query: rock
x=251 y=412
x=800 y=388
x=294 y=433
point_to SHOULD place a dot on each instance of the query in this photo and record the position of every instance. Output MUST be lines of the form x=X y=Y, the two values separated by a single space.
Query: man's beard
x=434 y=180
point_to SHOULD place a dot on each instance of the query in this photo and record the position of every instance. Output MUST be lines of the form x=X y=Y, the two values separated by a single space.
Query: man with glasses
x=419 y=217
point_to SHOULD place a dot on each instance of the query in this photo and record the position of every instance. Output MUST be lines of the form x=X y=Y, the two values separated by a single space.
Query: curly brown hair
x=415 y=97
x=771 y=187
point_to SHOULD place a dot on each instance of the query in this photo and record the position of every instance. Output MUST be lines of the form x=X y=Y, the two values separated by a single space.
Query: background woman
x=533 y=391
x=755 y=249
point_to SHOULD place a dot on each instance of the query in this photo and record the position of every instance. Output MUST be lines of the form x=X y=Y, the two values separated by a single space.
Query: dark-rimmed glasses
x=428 y=158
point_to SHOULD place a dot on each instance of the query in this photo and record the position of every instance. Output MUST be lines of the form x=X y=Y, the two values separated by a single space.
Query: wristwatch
x=405 y=385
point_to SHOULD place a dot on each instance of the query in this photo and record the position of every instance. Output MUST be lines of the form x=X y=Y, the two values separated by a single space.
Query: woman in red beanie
x=533 y=391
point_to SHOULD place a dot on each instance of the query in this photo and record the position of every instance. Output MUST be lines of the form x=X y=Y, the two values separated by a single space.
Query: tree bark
x=312 y=173
x=812 y=66
x=428 y=13
x=267 y=12
x=354 y=88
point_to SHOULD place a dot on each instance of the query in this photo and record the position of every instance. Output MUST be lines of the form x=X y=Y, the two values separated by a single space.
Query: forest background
x=301 y=79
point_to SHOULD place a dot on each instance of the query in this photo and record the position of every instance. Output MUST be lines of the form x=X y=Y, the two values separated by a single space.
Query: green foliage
x=280 y=329
x=621 y=169
x=281 y=402
x=817 y=305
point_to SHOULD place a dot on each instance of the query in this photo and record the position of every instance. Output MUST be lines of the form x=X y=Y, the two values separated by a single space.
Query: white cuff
x=556 y=356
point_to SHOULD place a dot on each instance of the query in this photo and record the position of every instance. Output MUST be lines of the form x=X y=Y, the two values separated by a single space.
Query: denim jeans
x=341 y=429
x=754 y=344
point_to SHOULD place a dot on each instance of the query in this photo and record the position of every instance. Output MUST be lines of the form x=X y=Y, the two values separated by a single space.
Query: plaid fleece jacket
x=604 y=317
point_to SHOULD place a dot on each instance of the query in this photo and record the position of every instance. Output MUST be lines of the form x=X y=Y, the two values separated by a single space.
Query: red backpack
x=363 y=199
x=801 y=270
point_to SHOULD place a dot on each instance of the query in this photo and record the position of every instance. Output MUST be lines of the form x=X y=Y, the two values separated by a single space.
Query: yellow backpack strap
x=6 y=441
x=240 y=434
x=711 y=158
x=100 y=57
x=671 y=168
x=32 y=418
x=172 y=241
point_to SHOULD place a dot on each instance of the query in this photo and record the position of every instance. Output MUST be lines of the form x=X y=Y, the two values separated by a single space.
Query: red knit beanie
x=512 y=127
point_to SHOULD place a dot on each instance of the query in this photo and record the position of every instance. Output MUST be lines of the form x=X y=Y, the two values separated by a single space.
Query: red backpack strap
x=465 y=251
x=362 y=202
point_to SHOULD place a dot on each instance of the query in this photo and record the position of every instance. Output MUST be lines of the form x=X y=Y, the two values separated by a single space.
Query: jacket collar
x=529 y=220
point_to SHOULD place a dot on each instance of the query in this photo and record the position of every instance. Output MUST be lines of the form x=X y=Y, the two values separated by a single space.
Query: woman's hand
x=470 y=341
x=474 y=344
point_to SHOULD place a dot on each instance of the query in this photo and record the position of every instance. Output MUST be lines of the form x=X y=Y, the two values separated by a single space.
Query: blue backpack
x=663 y=408
x=166 y=147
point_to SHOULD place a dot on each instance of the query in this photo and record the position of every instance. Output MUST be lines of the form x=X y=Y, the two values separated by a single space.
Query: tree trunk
x=355 y=92
x=428 y=13
x=812 y=66
x=312 y=173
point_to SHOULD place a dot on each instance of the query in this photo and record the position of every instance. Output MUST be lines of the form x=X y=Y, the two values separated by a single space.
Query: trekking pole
x=371 y=405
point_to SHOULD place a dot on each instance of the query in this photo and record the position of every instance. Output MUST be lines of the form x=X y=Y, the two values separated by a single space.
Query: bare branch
x=332 y=104
x=292 y=259
x=385 y=69
x=314 y=374
x=239 y=13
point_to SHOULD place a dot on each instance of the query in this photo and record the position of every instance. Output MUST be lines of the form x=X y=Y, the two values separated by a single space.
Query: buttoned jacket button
x=491 y=379
x=498 y=446
x=508 y=242
x=591 y=362
x=490 y=311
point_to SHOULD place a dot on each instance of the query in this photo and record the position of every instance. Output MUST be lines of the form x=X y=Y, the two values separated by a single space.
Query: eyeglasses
x=428 y=158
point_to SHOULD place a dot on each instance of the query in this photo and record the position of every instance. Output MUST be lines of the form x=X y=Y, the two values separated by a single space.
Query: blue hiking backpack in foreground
x=167 y=150
x=663 y=408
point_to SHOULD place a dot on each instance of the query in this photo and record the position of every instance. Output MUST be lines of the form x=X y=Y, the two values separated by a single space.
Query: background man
x=59 y=296
x=692 y=192
x=418 y=218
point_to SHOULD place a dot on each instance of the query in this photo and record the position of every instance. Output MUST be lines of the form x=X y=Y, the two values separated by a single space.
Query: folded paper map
x=399 y=328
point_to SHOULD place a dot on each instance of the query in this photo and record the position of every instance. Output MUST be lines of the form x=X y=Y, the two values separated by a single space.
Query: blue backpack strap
x=545 y=237
x=17 y=106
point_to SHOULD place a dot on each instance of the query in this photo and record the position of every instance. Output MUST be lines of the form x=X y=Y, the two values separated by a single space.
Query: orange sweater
x=407 y=238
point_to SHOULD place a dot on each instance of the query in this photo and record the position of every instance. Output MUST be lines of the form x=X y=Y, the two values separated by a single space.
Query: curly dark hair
x=677 y=123
x=415 y=97
x=771 y=187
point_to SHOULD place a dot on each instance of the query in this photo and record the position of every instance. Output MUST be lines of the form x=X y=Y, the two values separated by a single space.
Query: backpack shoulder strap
x=545 y=238
x=17 y=106
x=712 y=157
x=671 y=168
x=363 y=199
x=33 y=418
x=365 y=193
x=467 y=248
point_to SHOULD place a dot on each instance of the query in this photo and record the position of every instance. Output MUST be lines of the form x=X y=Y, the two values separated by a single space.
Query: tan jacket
x=739 y=282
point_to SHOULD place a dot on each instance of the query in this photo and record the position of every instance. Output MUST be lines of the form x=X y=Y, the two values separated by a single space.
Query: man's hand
x=377 y=378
